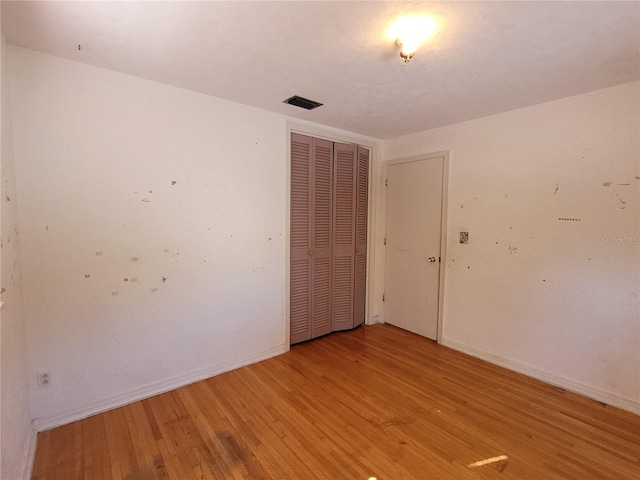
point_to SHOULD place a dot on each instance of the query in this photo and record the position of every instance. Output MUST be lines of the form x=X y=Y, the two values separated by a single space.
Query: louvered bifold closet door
x=362 y=206
x=321 y=233
x=329 y=184
x=344 y=226
x=300 y=308
x=311 y=234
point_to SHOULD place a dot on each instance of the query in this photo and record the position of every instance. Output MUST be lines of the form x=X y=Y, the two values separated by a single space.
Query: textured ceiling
x=487 y=57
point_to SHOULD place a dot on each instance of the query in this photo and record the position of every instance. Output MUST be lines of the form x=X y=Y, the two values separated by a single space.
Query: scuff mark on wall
x=6 y=195
x=512 y=250
x=557 y=188
x=623 y=203
x=146 y=200
x=98 y=254
x=164 y=279
x=115 y=293
x=87 y=275
x=173 y=182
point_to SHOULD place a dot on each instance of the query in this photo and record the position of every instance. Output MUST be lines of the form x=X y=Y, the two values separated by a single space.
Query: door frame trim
x=339 y=136
x=443 y=223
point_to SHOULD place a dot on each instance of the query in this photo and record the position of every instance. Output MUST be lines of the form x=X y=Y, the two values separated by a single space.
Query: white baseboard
x=47 y=423
x=31 y=454
x=585 y=390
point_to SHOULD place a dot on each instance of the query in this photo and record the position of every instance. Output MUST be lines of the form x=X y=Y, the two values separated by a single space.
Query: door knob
x=432 y=259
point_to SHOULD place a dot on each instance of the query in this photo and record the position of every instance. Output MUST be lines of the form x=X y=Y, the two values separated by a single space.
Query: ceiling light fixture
x=410 y=32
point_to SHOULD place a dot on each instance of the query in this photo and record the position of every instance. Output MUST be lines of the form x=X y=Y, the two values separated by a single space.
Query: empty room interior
x=320 y=240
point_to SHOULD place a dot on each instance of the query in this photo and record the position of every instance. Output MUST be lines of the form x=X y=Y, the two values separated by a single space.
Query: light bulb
x=409 y=46
x=410 y=32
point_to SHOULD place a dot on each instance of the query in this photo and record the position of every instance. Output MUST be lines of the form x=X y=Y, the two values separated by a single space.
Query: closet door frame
x=372 y=303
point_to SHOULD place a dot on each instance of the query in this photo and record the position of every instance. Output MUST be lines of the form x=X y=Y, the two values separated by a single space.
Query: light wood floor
x=374 y=402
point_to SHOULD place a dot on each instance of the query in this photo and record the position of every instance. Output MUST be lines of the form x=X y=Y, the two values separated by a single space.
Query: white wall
x=153 y=233
x=549 y=297
x=17 y=436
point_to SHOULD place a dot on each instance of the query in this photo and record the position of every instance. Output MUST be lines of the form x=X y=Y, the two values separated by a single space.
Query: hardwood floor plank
x=119 y=443
x=374 y=402
x=145 y=450
x=96 y=458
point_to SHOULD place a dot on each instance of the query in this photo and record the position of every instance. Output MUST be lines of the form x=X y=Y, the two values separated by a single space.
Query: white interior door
x=412 y=273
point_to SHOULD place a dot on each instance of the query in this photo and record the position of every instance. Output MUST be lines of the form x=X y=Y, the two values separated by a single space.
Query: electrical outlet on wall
x=44 y=379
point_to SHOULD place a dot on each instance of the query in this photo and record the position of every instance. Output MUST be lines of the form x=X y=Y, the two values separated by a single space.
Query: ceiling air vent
x=302 y=102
